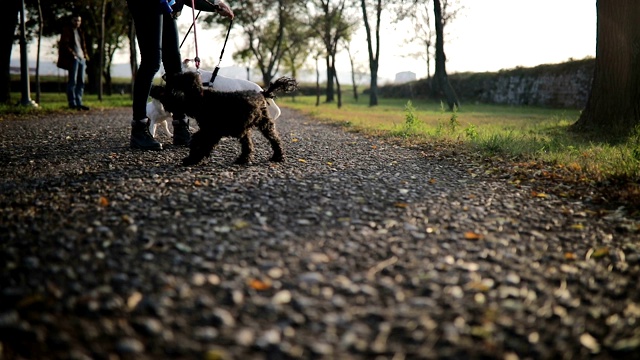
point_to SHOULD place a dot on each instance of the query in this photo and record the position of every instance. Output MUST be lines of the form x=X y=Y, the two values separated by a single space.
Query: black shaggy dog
x=221 y=114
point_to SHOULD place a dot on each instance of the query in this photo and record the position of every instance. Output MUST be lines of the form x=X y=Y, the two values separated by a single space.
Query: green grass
x=57 y=102
x=516 y=133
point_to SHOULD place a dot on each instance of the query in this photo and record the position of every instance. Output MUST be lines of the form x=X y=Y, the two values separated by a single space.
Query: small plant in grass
x=439 y=129
x=471 y=132
x=453 y=120
x=498 y=143
x=411 y=121
x=634 y=143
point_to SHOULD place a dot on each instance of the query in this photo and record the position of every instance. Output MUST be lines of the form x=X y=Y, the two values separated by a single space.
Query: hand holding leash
x=225 y=10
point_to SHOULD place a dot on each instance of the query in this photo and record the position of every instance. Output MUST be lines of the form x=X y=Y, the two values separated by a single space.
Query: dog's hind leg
x=247 y=148
x=268 y=129
x=166 y=127
x=201 y=145
x=152 y=126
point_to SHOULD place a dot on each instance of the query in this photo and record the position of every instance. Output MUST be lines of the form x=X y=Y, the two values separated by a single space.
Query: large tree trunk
x=317 y=83
x=373 y=56
x=338 y=90
x=101 y=50
x=8 y=24
x=353 y=76
x=330 y=92
x=40 y=26
x=613 y=107
x=441 y=83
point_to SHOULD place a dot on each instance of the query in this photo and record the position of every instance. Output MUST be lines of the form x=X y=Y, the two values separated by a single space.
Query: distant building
x=16 y=70
x=405 y=76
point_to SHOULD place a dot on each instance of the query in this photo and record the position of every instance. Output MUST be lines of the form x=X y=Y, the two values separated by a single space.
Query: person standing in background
x=73 y=56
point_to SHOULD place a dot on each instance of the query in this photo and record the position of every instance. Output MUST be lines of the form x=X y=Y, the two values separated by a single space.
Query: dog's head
x=187 y=84
x=180 y=93
x=157 y=92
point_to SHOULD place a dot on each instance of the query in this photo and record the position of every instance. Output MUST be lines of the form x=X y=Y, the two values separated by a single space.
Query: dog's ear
x=192 y=84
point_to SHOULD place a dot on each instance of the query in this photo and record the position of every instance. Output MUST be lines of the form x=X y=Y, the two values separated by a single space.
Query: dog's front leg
x=166 y=127
x=247 y=148
x=201 y=145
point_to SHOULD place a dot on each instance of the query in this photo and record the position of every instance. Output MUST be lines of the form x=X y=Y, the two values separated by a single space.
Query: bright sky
x=491 y=35
x=487 y=35
x=496 y=34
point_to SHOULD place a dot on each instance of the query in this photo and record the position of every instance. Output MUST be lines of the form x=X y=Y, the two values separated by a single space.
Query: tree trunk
x=373 y=57
x=330 y=76
x=8 y=25
x=613 y=107
x=428 y=46
x=373 y=87
x=40 y=26
x=317 y=83
x=101 y=50
x=441 y=83
x=108 y=81
x=338 y=90
x=353 y=76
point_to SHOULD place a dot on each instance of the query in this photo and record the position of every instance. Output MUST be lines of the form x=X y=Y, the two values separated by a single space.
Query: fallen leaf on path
x=470 y=235
x=538 y=194
x=240 y=224
x=602 y=252
x=103 y=201
x=259 y=285
x=597 y=253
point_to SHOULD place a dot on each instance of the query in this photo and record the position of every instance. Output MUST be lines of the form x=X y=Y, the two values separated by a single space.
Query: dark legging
x=158 y=40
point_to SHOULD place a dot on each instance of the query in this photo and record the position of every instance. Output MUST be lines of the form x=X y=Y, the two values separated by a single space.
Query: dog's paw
x=242 y=160
x=277 y=158
x=188 y=161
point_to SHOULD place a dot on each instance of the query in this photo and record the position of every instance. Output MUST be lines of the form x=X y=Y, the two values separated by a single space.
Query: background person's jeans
x=75 y=86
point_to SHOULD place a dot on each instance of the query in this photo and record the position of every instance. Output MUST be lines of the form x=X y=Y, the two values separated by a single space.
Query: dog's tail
x=284 y=84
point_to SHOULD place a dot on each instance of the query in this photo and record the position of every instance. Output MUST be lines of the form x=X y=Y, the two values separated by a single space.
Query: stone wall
x=565 y=85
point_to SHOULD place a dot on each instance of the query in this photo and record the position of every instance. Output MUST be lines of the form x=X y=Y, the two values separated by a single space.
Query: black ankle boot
x=141 y=137
x=181 y=132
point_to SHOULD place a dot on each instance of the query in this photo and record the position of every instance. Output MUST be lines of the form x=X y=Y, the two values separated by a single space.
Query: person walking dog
x=157 y=35
x=73 y=57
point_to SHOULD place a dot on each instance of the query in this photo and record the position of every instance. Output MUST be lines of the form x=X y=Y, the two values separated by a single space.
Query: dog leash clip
x=165 y=6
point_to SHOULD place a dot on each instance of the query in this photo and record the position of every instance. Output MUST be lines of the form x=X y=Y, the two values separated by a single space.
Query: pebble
x=129 y=346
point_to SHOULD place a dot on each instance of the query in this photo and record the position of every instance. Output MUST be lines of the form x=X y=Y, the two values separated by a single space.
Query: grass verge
x=528 y=146
x=57 y=102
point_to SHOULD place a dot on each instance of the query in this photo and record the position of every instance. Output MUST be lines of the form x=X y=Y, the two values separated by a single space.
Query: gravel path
x=354 y=248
